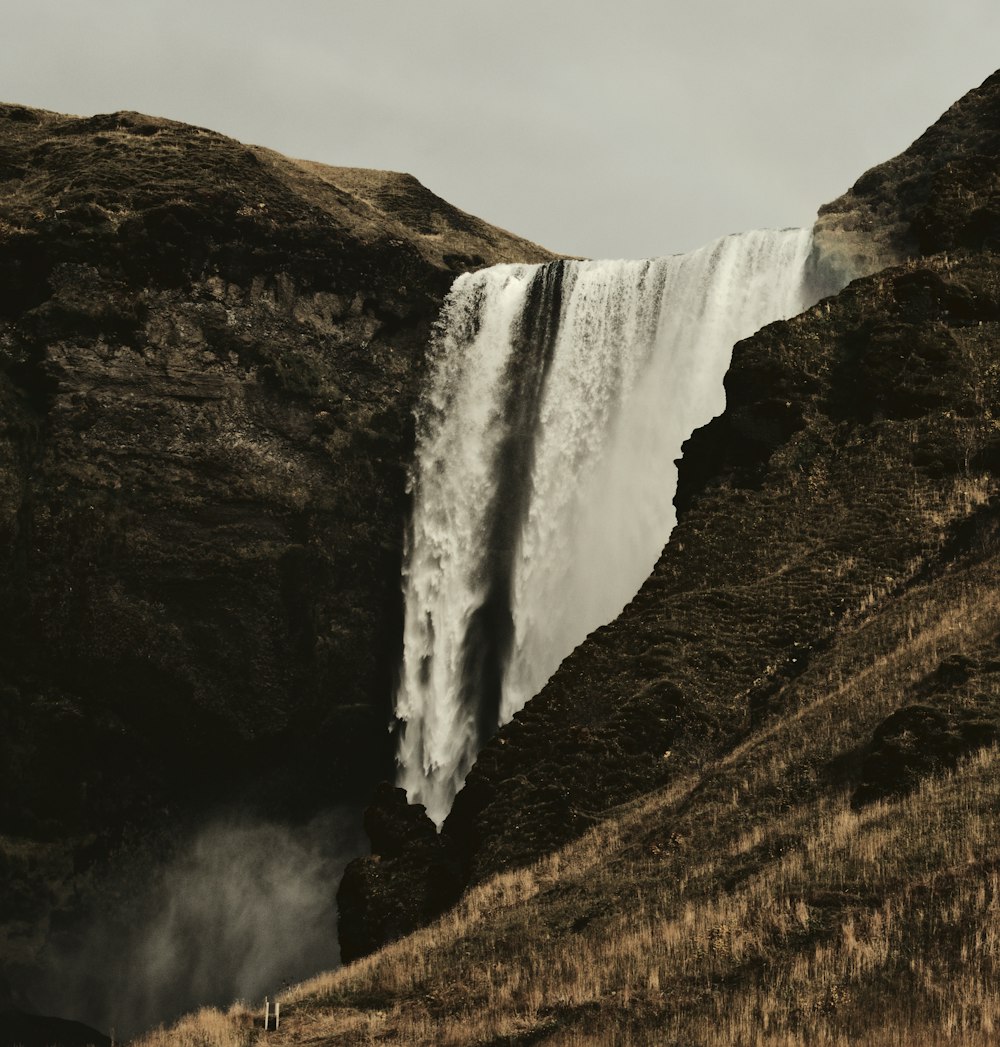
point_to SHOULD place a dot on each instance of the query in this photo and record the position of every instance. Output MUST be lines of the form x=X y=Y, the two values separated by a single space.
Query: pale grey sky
x=615 y=129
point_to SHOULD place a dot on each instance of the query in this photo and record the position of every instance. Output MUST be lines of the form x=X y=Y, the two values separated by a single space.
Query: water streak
x=544 y=476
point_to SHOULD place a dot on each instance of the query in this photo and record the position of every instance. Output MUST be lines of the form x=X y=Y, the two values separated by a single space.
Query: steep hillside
x=748 y=901
x=772 y=782
x=939 y=195
x=857 y=458
x=208 y=360
x=759 y=806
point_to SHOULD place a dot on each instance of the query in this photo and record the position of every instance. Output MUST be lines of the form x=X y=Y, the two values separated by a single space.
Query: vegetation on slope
x=747 y=903
x=773 y=780
x=759 y=807
x=939 y=195
x=829 y=480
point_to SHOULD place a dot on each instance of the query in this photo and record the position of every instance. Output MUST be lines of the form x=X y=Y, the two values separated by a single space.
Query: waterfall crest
x=558 y=398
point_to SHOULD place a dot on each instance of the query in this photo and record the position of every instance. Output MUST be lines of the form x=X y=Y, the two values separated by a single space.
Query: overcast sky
x=625 y=128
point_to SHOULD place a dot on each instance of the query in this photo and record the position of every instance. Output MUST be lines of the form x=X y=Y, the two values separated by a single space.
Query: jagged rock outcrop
x=939 y=195
x=208 y=360
x=376 y=901
x=956 y=715
x=857 y=454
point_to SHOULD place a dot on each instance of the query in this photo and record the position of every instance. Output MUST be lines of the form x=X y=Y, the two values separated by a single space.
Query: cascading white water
x=558 y=399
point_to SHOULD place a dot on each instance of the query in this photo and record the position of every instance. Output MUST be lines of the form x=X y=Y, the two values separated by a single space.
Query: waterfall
x=558 y=398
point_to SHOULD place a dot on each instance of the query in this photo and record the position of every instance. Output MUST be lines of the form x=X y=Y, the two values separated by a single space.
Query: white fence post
x=270 y=1013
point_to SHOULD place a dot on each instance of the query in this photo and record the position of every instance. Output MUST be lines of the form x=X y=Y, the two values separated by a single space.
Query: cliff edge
x=209 y=355
x=857 y=457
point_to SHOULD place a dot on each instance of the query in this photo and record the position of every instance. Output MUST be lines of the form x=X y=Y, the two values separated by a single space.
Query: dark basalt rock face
x=939 y=195
x=18 y=1029
x=913 y=743
x=956 y=715
x=209 y=355
x=375 y=903
x=856 y=454
x=393 y=825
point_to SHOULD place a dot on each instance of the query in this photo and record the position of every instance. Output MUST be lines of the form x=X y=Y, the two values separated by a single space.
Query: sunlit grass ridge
x=747 y=904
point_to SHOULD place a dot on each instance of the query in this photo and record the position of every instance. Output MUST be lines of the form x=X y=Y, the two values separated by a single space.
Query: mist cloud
x=242 y=907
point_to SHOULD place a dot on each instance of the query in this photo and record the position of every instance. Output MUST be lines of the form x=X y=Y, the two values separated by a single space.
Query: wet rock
x=411 y=877
x=828 y=484
x=392 y=824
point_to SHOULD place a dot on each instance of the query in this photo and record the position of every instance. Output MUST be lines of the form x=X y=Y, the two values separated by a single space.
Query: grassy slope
x=389 y=202
x=745 y=900
x=121 y=161
x=747 y=903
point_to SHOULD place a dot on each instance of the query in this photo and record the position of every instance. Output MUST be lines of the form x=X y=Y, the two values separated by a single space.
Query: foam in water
x=544 y=476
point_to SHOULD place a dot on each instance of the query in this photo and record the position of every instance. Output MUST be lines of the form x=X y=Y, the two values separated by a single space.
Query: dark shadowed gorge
x=208 y=360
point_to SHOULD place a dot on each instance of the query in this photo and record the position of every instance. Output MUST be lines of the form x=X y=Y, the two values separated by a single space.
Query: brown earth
x=937 y=196
x=672 y=843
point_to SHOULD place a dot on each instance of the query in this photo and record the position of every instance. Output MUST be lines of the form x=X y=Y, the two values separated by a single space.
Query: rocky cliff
x=857 y=458
x=937 y=196
x=208 y=360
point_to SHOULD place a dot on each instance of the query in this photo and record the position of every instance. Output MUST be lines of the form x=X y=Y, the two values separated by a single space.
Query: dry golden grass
x=746 y=904
x=377 y=202
x=207 y=1028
